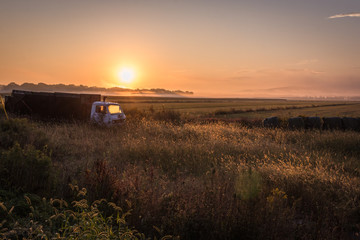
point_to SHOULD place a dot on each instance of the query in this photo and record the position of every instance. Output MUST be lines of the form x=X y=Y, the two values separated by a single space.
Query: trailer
x=57 y=105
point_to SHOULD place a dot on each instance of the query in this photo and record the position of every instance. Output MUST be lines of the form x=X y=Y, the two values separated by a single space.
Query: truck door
x=100 y=114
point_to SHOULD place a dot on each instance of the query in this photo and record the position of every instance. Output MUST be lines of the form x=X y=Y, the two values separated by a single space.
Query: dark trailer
x=47 y=105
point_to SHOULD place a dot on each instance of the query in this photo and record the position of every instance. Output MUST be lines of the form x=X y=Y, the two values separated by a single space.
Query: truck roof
x=105 y=103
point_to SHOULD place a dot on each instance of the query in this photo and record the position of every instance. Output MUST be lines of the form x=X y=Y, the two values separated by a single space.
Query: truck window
x=113 y=109
x=100 y=109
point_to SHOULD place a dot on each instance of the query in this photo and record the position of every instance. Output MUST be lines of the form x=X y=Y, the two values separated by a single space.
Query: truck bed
x=55 y=105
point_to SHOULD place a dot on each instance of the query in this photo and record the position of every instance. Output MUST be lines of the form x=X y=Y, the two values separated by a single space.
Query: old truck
x=62 y=106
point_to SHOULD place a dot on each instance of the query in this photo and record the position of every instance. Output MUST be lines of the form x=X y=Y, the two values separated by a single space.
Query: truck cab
x=107 y=113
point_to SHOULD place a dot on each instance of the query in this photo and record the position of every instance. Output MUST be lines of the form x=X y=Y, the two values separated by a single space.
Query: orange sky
x=227 y=48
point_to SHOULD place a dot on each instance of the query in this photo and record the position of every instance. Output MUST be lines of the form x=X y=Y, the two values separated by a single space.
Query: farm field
x=189 y=179
x=316 y=109
x=241 y=108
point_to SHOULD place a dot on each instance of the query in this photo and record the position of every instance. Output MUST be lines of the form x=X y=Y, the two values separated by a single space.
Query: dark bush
x=22 y=132
x=101 y=180
x=25 y=169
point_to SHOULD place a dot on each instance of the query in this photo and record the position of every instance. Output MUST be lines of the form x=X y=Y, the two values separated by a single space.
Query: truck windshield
x=113 y=109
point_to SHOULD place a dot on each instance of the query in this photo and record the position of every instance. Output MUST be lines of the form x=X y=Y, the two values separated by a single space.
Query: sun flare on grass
x=126 y=75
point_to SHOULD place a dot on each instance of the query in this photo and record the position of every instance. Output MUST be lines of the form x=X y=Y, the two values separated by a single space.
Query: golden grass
x=218 y=180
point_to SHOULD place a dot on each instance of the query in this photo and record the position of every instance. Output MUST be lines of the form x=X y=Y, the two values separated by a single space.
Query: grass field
x=248 y=108
x=190 y=179
x=316 y=109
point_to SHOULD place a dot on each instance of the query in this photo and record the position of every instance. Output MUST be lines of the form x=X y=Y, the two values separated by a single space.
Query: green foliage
x=26 y=169
x=87 y=221
x=20 y=131
x=248 y=184
x=78 y=220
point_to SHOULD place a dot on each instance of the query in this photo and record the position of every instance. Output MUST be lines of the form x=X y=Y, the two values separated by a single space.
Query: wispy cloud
x=345 y=15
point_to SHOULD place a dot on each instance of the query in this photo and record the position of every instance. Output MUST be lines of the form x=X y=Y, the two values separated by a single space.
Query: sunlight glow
x=126 y=75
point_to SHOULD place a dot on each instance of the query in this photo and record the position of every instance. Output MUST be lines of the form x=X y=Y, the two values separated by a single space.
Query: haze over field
x=248 y=48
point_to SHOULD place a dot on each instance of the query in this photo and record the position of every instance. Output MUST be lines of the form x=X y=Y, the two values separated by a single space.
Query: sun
x=126 y=75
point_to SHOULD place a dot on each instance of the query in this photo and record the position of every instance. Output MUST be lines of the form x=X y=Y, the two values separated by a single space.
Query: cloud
x=345 y=15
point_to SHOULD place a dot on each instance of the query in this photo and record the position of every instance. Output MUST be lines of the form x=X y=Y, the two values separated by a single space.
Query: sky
x=215 y=48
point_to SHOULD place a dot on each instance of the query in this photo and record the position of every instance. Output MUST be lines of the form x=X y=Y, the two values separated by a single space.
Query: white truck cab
x=107 y=113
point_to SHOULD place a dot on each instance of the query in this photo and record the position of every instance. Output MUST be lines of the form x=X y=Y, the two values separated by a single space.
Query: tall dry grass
x=217 y=181
x=196 y=180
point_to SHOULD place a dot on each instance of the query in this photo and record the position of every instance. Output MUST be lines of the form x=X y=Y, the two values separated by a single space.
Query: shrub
x=248 y=184
x=78 y=220
x=26 y=169
x=101 y=180
x=22 y=132
x=87 y=221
